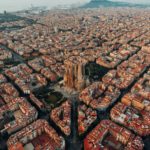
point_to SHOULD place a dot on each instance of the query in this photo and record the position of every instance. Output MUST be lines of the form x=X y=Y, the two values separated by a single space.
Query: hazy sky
x=11 y=5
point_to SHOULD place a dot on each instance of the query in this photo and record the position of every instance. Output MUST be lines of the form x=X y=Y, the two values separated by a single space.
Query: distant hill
x=107 y=3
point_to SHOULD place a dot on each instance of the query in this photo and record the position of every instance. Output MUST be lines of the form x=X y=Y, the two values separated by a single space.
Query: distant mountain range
x=107 y=3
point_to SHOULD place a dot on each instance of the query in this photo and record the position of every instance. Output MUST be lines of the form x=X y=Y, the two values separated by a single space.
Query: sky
x=13 y=5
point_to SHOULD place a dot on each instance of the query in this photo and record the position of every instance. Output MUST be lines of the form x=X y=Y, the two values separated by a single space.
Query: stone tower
x=74 y=77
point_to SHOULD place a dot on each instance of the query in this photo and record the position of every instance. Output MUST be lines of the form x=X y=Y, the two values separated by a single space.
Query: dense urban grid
x=75 y=79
